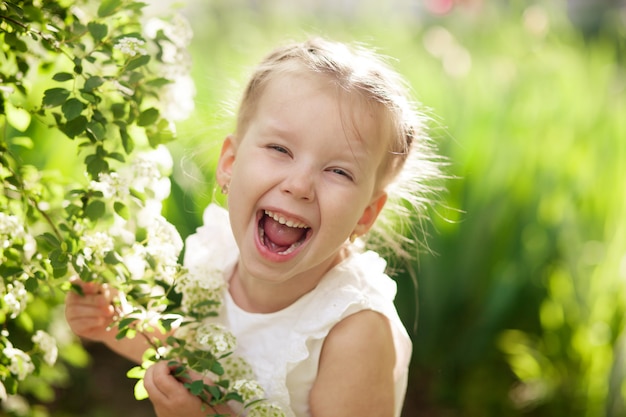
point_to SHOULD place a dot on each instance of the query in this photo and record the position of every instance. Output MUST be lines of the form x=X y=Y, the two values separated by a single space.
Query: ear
x=226 y=161
x=370 y=214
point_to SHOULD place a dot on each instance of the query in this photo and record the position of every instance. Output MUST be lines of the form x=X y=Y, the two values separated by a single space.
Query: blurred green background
x=519 y=309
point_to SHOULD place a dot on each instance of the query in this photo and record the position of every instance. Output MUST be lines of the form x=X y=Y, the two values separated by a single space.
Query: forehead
x=291 y=98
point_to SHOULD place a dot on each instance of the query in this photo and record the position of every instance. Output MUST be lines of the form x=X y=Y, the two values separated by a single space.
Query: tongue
x=281 y=235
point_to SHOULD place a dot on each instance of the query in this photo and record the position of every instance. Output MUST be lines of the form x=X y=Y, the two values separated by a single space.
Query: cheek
x=342 y=213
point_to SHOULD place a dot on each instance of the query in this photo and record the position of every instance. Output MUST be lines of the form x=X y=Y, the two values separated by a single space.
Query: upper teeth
x=287 y=222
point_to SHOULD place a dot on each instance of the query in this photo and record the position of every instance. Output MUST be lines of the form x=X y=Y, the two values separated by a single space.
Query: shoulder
x=356 y=365
x=364 y=327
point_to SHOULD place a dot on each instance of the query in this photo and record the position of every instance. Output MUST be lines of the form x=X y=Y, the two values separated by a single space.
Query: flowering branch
x=101 y=74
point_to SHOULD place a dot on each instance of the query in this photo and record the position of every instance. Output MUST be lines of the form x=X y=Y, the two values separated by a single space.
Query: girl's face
x=301 y=179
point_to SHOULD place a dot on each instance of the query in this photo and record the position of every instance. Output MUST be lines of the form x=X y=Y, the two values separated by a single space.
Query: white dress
x=283 y=348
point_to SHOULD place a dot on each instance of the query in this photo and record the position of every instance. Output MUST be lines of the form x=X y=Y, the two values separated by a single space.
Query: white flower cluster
x=131 y=46
x=20 y=366
x=15 y=405
x=178 y=96
x=215 y=338
x=96 y=246
x=236 y=368
x=202 y=289
x=147 y=174
x=266 y=409
x=127 y=202
x=164 y=245
x=15 y=297
x=12 y=232
x=112 y=186
x=20 y=363
x=210 y=337
x=220 y=342
x=10 y=229
x=249 y=390
x=47 y=344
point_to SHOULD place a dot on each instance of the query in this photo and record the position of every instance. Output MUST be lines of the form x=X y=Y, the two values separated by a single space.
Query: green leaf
x=117 y=156
x=112 y=258
x=78 y=289
x=161 y=134
x=95 y=166
x=15 y=8
x=217 y=369
x=97 y=130
x=137 y=61
x=215 y=392
x=78 y=65
x=23 y=141
x=121 y=210
x=127 y=141
x=95 y=209
x=54 y=97
x=63 y=76
x=196 y=387
x=140 y=391
x=108 y=7
x=75 y=126
x=11 y=39
x=10 y=384
x=92 y=83
x=136 y=373
x=118 y=110
x=98 y=30
x=92 y=98
x=135 y=77
x=18 y=117
x=126 y=322
x=49 y=239
x=224 y=383
x=72 y=108
x=158 y=82
x=58 y=261
x=31 y=285
x=148 y=117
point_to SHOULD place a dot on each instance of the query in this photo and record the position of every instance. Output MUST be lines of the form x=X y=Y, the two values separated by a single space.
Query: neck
x=257 y=296
x=254 y=296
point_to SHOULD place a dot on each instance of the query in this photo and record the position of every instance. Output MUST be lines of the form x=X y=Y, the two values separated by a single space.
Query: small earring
x=225 y=189
x=353 y=237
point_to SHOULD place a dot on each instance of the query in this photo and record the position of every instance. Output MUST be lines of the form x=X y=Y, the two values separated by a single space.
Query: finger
x=86 y=287
x=159 y=381
x=97 y=301
x=83 y=316
x=168 y=395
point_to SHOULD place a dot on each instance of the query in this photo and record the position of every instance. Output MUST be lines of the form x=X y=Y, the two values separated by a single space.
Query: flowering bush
x=106 y=76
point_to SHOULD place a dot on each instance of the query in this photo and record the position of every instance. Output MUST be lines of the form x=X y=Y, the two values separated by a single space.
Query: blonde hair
x=410 y=171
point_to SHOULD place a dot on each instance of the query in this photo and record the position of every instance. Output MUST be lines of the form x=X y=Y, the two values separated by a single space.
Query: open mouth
x=281 y=235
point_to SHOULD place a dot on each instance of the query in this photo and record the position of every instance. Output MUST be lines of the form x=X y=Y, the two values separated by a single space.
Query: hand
x=169 y=396
x=90 y=314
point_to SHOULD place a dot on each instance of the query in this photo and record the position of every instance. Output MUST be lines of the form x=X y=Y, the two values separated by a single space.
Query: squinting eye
x=278 y=148
x=341 y=172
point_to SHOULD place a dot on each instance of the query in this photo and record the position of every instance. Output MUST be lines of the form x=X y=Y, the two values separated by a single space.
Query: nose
x=300 y=184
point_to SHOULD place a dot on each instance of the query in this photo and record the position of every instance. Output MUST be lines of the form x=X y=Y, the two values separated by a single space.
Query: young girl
x=325 y=135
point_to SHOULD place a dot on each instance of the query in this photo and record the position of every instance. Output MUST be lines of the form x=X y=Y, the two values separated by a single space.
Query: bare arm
x=355 y=376
x=90 y=315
